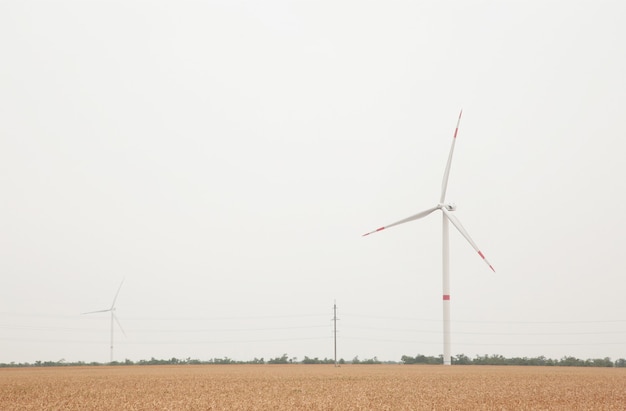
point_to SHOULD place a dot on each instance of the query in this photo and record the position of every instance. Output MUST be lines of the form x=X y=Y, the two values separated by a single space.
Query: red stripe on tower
x=446 y=297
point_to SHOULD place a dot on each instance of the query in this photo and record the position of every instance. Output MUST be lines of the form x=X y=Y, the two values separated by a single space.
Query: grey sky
x=224 y=157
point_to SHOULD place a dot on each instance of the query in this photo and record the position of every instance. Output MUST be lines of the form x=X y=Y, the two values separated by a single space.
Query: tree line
x=497 y=359
x=460 y=359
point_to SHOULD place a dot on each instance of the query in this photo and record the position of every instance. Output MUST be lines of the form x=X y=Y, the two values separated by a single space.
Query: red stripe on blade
x=481 y=255
x=375 y=231
x=446 y=297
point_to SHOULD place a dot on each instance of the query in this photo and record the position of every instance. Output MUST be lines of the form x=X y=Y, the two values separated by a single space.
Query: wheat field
x=312 y=387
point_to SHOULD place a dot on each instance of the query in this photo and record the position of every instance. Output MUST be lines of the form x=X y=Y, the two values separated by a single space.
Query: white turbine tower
x=113 y=316
x=446 y=209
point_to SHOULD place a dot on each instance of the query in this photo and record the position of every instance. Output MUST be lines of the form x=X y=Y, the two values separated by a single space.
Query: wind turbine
x=446 y=209
x=113 y=317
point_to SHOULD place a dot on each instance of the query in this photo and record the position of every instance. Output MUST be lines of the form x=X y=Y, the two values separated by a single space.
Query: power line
x=242 y=317
x=345 y=315
x=411 y=330
x=414 y=319
x=178 y=342
x=195 y=330
x=482 y=344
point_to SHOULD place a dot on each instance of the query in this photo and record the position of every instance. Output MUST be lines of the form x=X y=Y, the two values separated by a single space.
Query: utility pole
x=335 y=329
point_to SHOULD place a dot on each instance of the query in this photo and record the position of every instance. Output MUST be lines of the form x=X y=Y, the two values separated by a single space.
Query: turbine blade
x=119 y=325
x=446 y=174
x=99 y=311
x=406 y=220
x=455 y=221
x=117 y=293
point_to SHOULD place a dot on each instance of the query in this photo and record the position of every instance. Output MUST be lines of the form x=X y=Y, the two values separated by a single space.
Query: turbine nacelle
x=449 y=206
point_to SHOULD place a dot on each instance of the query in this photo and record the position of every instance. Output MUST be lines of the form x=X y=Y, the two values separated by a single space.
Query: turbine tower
x=447 y=216
x=113 y=317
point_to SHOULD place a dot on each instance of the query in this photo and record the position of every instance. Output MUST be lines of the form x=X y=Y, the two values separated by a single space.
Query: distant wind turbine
x=113 y=316
x=446 y=209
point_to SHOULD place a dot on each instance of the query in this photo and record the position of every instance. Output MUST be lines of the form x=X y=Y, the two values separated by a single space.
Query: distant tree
x=421 y=359
x=407 y=360
x=461 y=359
x=224 y=360
x=571 y=362
x=315 y=360
x=279 y=360
x=370 y=361
x=601 y=362
x=481 y=360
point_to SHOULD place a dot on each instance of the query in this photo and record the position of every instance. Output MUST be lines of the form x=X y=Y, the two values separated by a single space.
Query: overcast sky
x=225 y=157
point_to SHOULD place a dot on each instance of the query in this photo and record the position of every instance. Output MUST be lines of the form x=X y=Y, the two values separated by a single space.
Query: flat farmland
x=312 y=387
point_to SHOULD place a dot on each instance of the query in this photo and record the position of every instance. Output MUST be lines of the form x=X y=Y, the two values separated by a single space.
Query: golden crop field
x=312 y=387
